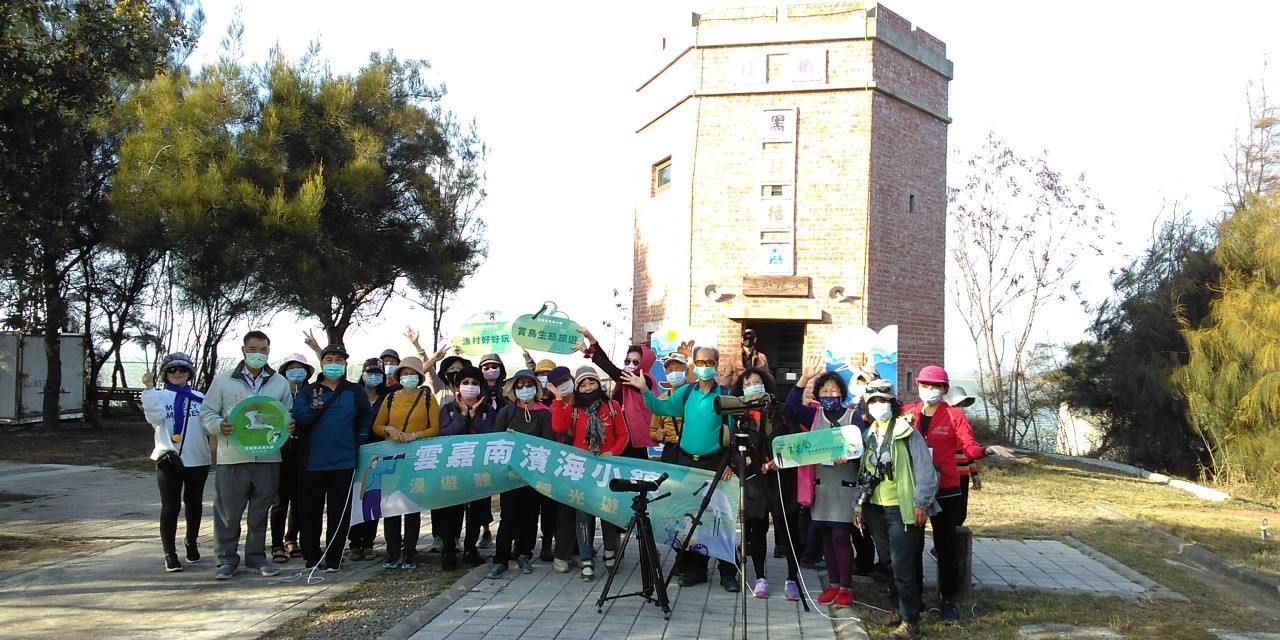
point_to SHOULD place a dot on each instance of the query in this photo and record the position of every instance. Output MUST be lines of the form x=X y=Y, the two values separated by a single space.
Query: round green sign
x=261 y=425
x=547 y=330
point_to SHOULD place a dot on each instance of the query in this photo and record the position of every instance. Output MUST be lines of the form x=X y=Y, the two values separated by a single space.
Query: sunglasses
x=873 y=390
x=704 y=363
x=177 y=370
x=630 y=361
x=484 y=367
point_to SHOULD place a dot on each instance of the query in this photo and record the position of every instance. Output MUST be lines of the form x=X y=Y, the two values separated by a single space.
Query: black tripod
x=650 y=562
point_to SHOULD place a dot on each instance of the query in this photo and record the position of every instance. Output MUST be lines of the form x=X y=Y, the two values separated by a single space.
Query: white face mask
x=469 y=391
x=880 y=410
x=929 y=396
x=525 y=394
x=542 y=380
x=566 y=388
x=410 y=381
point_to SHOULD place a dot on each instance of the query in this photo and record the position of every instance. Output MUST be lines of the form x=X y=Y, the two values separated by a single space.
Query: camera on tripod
x=637 y=485
x=733 y=405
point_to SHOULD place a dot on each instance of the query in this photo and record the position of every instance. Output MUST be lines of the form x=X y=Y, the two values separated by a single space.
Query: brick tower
x=794 y=160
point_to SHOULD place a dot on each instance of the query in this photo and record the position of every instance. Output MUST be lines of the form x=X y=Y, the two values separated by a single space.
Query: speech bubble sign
x=482 y=338
x=819 y=446
x=261 y=425
x=547 y=330
x=855 y=349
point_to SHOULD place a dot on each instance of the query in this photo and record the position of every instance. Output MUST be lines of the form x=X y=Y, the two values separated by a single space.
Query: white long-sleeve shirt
x=157 y=405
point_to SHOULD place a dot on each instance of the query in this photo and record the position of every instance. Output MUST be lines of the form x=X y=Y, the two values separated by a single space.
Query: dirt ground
x=124 y=439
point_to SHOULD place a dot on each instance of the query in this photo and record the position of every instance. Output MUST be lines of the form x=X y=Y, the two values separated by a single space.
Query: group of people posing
x=862 y=516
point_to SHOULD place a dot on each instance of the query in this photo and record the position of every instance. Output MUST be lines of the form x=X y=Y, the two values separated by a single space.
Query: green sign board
x=261 y=425
x=819 y=446
x=547 y=330
x=482 y=338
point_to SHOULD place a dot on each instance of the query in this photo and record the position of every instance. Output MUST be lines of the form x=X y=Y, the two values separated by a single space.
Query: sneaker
x=267 y=570
x=355 y=554
x=588 y=571
x=609 y=557
x=435 y=545
x=333 y=569
x=224 y=572
x=369 y=554
x=730 y=585
x=761 y=589
x=171 y=563
x=408 y=563
x=526 y=564
x=791 y=591
x=497 y=571
x=692 y=579
x=844 y=598
x=472 y=558
x=828 y=595
x=193 y=552
x=906 y=631
x=559 y=566
x=948 y=615
x=449 y=561
x=392 y=562
x=486 y=539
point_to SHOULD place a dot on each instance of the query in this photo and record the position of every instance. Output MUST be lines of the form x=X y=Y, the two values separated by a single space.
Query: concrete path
x=118 y=588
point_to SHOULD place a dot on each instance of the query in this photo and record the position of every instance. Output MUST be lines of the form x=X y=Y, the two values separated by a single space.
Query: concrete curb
x=1207 y=559
x=415 y=621
x=1204 y=493
x=1156 y=589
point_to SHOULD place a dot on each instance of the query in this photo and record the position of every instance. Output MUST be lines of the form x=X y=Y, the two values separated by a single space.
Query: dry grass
x=373 y=606
x=1034 y=499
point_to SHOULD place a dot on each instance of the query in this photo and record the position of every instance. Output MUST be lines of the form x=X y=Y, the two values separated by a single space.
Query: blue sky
x=1143 y=97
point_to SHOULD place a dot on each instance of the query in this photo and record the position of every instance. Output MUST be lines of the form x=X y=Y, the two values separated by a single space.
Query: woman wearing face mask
x=373 y=380
x=635 y=415
x=181 y=451
x=595 y=424
x=898 y=459
x=408 y=413
x=828 y=489
x=666 y=429
x=946 y=431
x=469 y=413
x=765 y=492
x=495 y=378
x=518 y=530
x=284 y=513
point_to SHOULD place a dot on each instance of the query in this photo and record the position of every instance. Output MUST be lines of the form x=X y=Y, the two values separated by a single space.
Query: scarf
x=595 y=429
x=181 y=403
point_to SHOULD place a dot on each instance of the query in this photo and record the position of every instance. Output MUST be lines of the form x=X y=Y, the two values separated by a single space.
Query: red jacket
x=615 y=431
x=949 y=432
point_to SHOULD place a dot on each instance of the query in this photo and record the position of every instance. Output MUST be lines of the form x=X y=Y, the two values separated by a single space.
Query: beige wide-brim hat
x=412 y=363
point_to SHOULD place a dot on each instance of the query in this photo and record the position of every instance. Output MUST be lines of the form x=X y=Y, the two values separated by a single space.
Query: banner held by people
x=397 y=478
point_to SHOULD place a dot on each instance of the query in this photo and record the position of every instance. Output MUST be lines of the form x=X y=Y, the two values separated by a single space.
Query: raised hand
x=813 y=367
x=309 y=339
x=634 y=379
x=412 y=335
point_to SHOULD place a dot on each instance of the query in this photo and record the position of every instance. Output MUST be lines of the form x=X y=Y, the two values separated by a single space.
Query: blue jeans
x=586 y=526
x=901 y=544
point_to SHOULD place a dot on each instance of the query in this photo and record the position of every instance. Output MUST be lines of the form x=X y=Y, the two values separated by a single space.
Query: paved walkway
x=118 y=586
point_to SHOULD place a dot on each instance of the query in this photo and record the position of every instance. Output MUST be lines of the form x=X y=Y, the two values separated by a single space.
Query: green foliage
x=1122 y=377
x=1232 y=379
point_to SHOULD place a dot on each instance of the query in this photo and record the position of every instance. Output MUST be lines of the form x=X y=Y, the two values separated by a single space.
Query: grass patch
x=20 y=552
x=371 y=607
x=1033 y=499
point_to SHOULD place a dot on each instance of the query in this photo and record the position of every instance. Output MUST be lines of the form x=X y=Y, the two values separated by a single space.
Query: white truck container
x=23 y=373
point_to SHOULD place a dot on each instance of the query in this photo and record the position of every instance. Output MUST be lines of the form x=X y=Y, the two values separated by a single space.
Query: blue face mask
x=296 y=375
x=255 y=360
x=753 y=390
x=371 y=379
x=335 y=371
x=676 y=379
x=410 y=381
x=388 y=369
x=831 y=404
x=704 y=373
x=525 y=394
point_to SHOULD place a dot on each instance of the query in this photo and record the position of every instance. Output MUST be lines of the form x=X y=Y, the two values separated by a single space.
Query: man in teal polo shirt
x=699 y=446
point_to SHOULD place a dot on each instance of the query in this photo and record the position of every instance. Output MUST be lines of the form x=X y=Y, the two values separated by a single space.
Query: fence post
x=964 y=551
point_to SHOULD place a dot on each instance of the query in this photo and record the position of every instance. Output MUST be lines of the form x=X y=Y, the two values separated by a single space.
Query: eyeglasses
x=177 y=370
x=704 y=363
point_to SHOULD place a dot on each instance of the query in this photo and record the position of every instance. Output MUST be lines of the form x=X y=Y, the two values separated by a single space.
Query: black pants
x=518 y=530
x=185 y=489
x=406 y=547
x=284 y=513
x=321 y=494
x=547 y=516
x=447 y=525
x=566 y=532
x=479 y=515
x=963 y=507
x=944 y=539
x=864 y=549
x=695 y=563
x=361 y=536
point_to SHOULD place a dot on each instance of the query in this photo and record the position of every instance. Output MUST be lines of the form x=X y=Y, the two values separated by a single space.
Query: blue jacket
x=331 y=442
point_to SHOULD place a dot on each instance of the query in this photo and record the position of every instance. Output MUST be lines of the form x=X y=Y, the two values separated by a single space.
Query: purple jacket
x=453 y=423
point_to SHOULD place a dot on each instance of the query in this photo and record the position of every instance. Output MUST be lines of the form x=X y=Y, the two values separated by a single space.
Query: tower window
x=911 y=203
x=661 y=178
